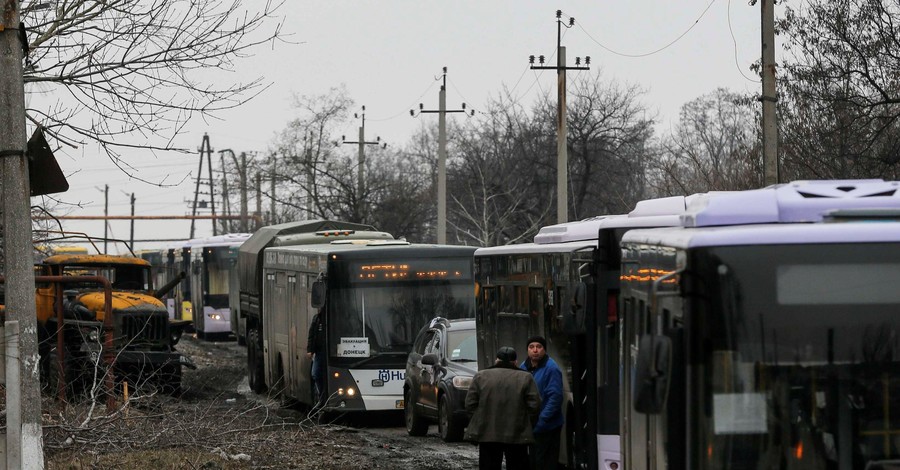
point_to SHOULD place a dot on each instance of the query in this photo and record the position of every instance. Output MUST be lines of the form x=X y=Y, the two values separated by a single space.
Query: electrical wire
x=734 y=41
x=645 y=54
x=404 y=111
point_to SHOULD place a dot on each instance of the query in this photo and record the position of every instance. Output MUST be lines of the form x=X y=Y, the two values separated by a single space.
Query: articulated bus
x=376 y=295
x=763 y=333
x=549 y=287
x=212 y=260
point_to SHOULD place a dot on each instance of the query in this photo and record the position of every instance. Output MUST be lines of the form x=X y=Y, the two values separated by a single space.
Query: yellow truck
x=72 y=336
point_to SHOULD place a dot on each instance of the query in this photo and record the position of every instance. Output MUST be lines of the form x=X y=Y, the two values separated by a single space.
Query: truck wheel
x=256 y=373
x=415 y=425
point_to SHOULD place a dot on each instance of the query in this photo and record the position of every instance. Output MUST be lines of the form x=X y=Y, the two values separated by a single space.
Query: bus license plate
x=399 y=404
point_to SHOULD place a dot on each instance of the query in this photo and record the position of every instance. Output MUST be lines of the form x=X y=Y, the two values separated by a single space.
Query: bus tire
x=255 y=372
x=415 y=425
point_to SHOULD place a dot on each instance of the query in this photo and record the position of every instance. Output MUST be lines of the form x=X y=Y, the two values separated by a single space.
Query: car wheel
x=450 y=429
x=415 y=425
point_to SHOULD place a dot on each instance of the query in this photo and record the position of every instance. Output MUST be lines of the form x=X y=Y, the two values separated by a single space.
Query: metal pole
x=360 y=183
x=442 y=165
x=243 y=174
x=131 y=239
x=17 y=244
x=197 y=186
x=272 y=189
x=105 y=213
x=212 y=191
x=562 y=156
x=769 y=97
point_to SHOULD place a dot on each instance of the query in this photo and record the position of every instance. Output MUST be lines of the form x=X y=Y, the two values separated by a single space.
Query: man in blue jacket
x=547 y=431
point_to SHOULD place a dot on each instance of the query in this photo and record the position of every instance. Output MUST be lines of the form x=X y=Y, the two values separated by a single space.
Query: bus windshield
x=798 y=353
x=371 y=320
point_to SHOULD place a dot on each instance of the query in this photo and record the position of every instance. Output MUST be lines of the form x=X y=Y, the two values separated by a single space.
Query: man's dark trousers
x=545 y=450
x=490 y=455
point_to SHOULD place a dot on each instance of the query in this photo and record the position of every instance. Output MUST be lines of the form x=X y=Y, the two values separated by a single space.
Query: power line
x=430 y=86
x=734 y=41
x=645 y=54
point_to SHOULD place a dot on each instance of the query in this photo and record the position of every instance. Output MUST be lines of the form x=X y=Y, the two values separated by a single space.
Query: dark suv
x=438 y=373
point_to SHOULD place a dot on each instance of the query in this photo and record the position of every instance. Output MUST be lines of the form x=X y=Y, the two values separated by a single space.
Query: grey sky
x=388 y=54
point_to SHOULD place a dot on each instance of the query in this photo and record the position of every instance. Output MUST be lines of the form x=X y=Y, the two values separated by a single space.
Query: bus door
x=296 y=307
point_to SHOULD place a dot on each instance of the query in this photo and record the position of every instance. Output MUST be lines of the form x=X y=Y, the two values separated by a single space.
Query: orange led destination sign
x=421 y=271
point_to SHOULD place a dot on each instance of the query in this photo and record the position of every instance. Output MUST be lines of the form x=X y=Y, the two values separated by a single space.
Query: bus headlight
x=462 y=381
x=341 y=391
x=214 y=316
x=351 y=392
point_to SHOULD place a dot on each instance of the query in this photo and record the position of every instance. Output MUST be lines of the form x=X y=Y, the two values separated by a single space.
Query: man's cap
x=537 y=339
x=506 y=354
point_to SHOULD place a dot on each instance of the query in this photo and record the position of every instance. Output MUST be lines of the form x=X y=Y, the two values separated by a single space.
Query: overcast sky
x=389 y=53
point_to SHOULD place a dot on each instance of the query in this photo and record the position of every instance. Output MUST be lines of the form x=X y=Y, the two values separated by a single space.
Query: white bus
x=537 y=288
x=212 y=262
x=764 y=331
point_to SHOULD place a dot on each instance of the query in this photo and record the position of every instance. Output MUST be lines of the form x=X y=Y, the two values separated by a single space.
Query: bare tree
x=131 y=73
x=840 y=95
x=715 y=146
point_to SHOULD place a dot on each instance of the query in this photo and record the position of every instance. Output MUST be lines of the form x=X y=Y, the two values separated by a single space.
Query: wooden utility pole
x=226 y=205
x=562 y=157
x=442 y=156
x=23 y=404
x=769 y=96
x=361 y=160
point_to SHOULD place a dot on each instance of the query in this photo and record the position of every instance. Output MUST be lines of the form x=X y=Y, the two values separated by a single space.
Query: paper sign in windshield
x=353 y=347
x=740 y=413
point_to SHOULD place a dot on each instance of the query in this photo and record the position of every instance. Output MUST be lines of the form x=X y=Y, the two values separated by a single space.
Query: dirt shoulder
x=217 y=423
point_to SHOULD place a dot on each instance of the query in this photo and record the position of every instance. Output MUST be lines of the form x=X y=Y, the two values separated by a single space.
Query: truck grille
x=139 y=330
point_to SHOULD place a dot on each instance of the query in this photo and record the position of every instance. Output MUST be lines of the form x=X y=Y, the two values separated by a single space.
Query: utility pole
x=204 y=150
x=272 y=189
x=23 y=405
x=259 y=198
x=131 y=238
x=769 y=97
x=243 y=173
x=105 y=213
x=226 y=205
x=442 y=156
x=361 y=179
x=562 y=157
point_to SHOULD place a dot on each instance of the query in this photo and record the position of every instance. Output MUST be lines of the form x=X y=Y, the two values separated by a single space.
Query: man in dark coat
x=503 y=403
x=315 y=349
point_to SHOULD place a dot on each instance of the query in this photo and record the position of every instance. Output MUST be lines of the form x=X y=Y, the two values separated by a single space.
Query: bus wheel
x=415 y=425
x=450 y=429
x=255 y=372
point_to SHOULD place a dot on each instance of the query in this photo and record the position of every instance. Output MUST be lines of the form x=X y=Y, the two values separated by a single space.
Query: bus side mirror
x=573 y=317
x=318 y=294
x=652 y=372
x=430 y=359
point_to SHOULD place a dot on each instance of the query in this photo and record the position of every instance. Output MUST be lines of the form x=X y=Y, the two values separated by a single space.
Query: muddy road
x=218 y=422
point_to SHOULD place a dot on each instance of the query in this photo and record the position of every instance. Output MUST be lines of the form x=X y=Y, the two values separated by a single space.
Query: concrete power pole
x=23 y=405
x=769 y=97
x=361 y=159
x=562 y=157
x=259 y=199
x=243 y=174
x=226 y=205
x=272 y=189
x=442 y=156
